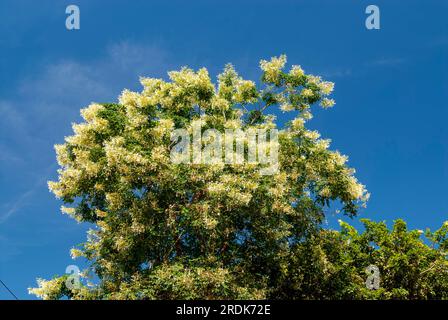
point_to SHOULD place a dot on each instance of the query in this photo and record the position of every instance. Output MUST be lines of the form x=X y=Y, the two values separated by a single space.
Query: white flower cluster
x=272 y=68
x=327 y=103
x=296 y=71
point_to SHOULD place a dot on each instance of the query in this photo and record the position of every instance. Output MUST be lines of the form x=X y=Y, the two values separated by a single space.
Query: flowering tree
x=174 y=230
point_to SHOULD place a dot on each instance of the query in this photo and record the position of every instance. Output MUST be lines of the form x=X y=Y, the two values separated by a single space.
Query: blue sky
x=391 y=94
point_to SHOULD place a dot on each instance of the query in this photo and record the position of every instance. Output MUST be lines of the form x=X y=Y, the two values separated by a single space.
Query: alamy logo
x=73 y=279
x=373 y=20
x=373 y=280
x=72 y=22
x=233 y=147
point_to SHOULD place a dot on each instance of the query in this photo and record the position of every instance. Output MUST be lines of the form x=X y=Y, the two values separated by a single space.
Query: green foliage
x=332 y=264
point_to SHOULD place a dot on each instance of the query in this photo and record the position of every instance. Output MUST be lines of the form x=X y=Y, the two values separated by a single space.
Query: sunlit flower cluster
x=272 y=68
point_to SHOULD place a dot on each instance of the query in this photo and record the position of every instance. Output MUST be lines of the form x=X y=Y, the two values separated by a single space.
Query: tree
x=332 y=264
x=165 y=230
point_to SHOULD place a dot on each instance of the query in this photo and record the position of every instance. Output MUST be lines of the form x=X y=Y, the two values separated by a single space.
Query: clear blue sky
x=391 y=93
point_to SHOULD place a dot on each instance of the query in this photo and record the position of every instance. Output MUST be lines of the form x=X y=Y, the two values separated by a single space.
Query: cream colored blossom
x=326 y=87
x=296 y=71
x=233 y=124
x=62 y=154
x=327 y=103
x=325 y=192
x=220 y=104
x=355 y=189
x=273 y=67
x=115 y=200
x=307 y=93
x=244 y=92
x=129 y=98
x=91 y=112
x=298 y=123
x=314 y=135
x=313 y=80
x=68 y=210
x=76 y=253
x=163 y=127
x=286 y=107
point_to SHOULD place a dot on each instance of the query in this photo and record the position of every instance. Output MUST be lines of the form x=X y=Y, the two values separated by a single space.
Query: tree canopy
x=164 y=230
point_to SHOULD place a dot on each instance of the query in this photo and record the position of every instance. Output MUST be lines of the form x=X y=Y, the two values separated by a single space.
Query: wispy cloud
x=440 y=41
x=14 y=206
x=363 y=68
x=387 y=62
x=47 y=101
x=39 y=112
x=338 y=73
x=69 y=83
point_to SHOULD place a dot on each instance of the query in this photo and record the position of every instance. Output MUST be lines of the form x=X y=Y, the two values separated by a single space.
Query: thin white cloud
x=62 y=88
x=438 y=41
x=47 y=102
x=338 y=73
x=388 y=62
x=9 y=156
x=39 y=112
x=134 y=58
x=12 y=208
